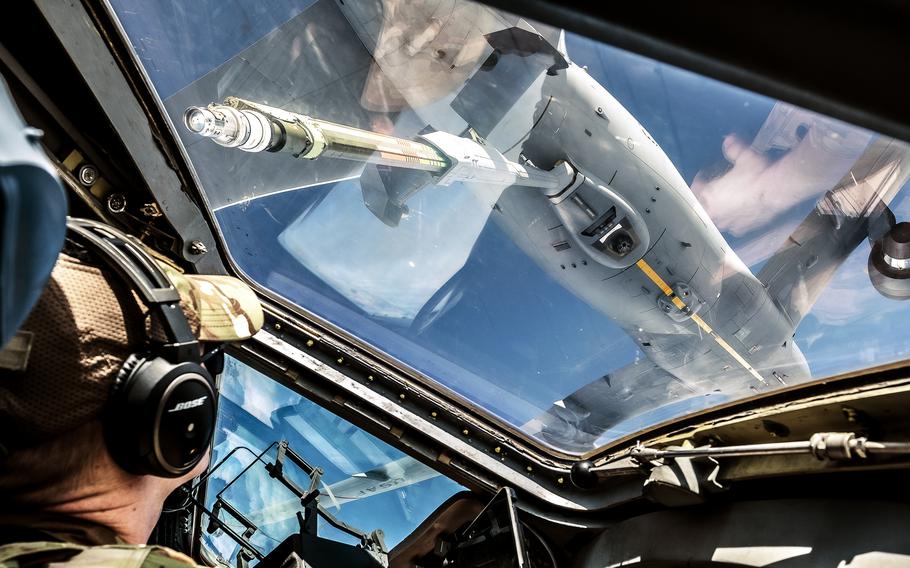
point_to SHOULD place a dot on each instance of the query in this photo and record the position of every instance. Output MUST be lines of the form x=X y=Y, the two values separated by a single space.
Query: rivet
x=87 y=175
x=497 y=449
x=340 y=360
x=370 y=378
x=465 y=432
x=277 y=326
x=310 y=342
x=433 y=414
x=850 y=414
x=529 y=469
x=560 y=480
x=401 y=396
x=116 y=203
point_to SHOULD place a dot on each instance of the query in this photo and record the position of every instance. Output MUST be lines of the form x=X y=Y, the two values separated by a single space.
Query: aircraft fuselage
x=728 y=325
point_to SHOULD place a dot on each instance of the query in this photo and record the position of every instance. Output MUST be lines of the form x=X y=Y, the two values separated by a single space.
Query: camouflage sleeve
x=18 y=555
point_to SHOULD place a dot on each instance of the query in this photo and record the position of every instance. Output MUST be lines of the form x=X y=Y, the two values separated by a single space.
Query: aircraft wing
x=800 y=270
x=613 y=405
x=398 y=474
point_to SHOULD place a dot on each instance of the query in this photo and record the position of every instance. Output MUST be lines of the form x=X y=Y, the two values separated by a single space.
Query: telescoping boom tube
x=253 y=127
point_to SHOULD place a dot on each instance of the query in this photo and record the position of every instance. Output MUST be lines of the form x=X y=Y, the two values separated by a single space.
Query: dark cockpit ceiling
x=840 y=59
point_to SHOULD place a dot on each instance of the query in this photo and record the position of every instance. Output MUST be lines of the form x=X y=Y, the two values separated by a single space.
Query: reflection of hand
x=724 y=196
x=382 y=124
x=759 y=186
x=420 y=59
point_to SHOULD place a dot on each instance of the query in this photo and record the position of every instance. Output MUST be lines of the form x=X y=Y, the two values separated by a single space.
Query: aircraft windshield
x=365 y=482
x=579 y=240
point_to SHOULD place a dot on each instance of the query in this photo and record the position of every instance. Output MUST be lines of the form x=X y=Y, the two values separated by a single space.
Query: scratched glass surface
x=579 y=240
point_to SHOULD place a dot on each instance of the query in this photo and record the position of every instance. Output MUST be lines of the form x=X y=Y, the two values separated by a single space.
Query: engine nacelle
x=889 y=263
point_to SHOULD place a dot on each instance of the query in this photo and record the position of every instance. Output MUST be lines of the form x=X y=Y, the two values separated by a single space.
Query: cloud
x=390 y=271
x=255 y=394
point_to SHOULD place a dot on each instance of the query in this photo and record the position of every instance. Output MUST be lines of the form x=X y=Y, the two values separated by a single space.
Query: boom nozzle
x=197 y=119
x=247 y=130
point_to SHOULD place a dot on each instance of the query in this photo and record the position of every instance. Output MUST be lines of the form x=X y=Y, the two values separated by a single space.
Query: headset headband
x=155 y=289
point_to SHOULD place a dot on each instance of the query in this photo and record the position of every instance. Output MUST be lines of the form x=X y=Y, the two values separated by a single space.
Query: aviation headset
x=161 y=412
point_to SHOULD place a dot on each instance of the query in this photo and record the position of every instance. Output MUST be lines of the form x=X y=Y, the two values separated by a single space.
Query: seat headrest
x=32 y=217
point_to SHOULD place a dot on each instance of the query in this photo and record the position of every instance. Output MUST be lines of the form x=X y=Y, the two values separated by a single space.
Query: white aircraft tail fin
x=561 y=45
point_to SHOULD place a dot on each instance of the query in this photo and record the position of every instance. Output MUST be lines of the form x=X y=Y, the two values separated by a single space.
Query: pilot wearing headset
x=107 y=392
x=106 y=402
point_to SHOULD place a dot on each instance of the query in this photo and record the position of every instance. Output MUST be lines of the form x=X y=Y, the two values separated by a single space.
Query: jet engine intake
x=889 y=263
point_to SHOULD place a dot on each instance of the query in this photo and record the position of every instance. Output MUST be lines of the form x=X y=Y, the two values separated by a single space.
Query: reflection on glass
x=366 y=483
x=709 y=245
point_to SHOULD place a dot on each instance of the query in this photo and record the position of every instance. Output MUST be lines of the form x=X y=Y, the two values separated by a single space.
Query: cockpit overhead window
x=580 y=241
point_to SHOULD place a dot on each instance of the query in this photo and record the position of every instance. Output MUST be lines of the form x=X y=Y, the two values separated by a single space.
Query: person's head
x=68 y=425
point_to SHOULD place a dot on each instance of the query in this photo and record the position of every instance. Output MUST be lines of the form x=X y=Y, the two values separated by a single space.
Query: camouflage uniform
x=74 y=344
x=19 y=555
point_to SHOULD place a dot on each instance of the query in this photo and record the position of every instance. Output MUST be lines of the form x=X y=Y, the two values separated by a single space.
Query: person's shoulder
x=16 y=555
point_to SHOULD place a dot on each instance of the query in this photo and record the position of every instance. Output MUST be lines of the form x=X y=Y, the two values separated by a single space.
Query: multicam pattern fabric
x=228 y=309
x=22 y=554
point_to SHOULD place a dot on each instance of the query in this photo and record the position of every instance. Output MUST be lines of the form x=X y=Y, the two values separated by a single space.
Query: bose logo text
x=189 y=404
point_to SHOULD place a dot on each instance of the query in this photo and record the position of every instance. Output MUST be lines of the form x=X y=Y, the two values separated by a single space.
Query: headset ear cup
x=161 y=409
x=126 y=371
x=186 y=421
x=161 y=417
x=120 y=421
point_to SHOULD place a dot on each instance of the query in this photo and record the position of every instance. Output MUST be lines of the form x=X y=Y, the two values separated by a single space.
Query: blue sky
x=179 y=42
x=252 y=413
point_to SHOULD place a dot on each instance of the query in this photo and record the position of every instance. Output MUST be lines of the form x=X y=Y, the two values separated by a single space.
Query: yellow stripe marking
x=656 y=279
x=649 y=272
x=702 y=324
